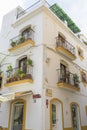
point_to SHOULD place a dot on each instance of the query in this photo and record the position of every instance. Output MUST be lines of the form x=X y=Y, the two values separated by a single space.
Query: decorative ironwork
x=65 y=45
x=16 y=74
x=21 y=39
x=68 y=78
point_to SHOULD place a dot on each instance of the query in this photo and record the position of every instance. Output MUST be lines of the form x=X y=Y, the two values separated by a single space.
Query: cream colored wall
x=51 y=29
x=66 y=96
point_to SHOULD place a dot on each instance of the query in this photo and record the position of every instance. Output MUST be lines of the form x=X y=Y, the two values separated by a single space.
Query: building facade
x=43 y=72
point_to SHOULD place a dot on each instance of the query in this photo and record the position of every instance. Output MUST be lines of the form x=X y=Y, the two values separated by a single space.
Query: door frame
x=51 y=101
x=78 y=112
x=24 y=113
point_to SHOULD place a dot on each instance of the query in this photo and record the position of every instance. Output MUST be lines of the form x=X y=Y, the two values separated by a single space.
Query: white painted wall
x=33 y=110
x=46 y=28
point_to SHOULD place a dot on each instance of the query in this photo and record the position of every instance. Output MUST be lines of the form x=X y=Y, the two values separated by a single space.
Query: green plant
x=76 y=78
x=21 y=39
x=9 y=68
x=13 y=43
x=30 y=62
x=20 y=73
x=8 y=79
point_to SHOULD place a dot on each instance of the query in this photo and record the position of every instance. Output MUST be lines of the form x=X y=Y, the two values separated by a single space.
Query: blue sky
x=76 y=9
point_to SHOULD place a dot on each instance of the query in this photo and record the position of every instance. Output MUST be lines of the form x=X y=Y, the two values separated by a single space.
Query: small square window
x=83 y=77
x=80 y=53
x=86 y=110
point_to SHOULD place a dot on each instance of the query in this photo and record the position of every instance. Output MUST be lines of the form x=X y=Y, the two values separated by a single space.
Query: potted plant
x=20 y=73
x=9 y=68
x=21 y=39
x=13 y=43
x=9 y=71
x=29 y=69
x=30 y=62
x=76 y=79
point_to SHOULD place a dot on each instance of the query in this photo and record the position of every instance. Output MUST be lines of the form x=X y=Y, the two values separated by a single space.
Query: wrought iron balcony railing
x=66 y=45
x=19 y=14
x=68 y=77
x=16 y=74
x=35 y=4
x=21 y=39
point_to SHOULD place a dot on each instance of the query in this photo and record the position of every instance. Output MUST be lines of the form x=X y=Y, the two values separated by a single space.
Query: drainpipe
x=43 y=91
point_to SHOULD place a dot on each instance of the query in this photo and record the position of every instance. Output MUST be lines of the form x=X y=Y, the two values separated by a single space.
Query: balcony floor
x=68 y=86
x=65 y=52
x=21 y=46
x=18 y=82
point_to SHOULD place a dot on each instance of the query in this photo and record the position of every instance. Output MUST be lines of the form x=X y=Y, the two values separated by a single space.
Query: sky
x=76 y=9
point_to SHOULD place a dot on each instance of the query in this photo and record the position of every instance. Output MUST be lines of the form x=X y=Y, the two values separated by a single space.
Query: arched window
x=17 y=115
x=27 y=32
x=64 y=72
x=75 y=113
x=56 y=114
x=23 y=64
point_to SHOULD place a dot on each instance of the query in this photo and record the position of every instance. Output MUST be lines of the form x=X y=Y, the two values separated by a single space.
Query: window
x=61 y=38
x=75 y=117
x=64 y=73
x=27 y=33
x=80 y=53
x=0 y=82
x=23 y=64
x=60 y=41
x=53 y=114
x=17 y=115
x=83 y=77
x=86 y=110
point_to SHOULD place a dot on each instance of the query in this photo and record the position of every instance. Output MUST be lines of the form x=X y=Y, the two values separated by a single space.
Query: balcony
x=21 y=43
x=65 y=48
x=18 y=76
x=68 y=80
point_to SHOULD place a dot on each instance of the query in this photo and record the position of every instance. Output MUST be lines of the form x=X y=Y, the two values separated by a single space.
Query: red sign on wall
x=36 y=96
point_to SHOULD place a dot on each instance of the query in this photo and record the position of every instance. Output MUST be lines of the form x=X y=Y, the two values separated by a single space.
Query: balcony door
x=56 y=117
x=17 y=113
x=61 y=39
x=75 y=117
x=63 y=68
x=0 y=81
x=64 y=74
x=23 y=64
x=27 y=33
